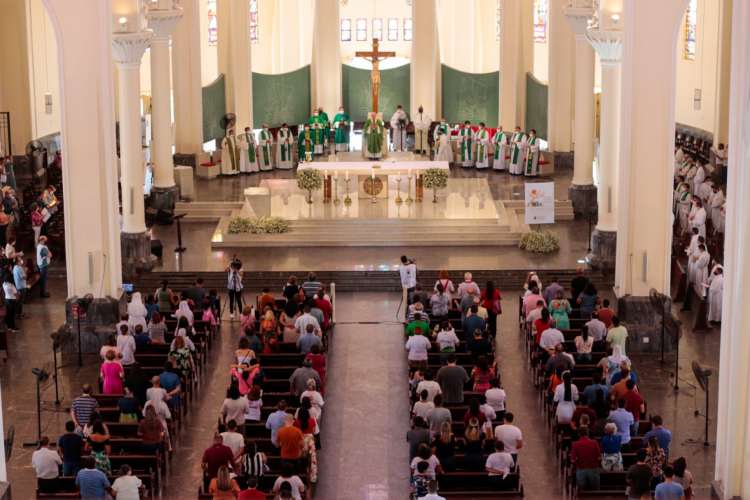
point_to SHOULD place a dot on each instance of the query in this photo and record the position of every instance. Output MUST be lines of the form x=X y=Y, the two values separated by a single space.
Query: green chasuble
x=498 y=137
x=233 y=148
x=266 y=136
x=481 y=134
x=318 y=135
x=342 y=131
x=303 y=146
x=324 y=117
x=530 y=161
x=443 y=127
x=285 y=148
x=465 y=144
x=517 y=137
x=250 y=140
x=374 y=140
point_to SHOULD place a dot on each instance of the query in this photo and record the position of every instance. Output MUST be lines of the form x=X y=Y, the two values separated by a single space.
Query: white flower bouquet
x=539 y=242
x=258 y=225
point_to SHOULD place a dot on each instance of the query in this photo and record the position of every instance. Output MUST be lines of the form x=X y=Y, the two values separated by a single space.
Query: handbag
x=497 y=308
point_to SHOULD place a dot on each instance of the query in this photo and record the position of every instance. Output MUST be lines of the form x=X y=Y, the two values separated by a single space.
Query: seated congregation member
x=474 y=446
x=223 y=487
x=499 y=465
x=425 y=455
x=444 y=448
x=452 y=379
x=417 y=436
x=46 y=463
x=586 y=456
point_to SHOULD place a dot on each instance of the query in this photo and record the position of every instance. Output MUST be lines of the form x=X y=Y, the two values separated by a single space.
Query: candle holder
x=336 y=200
x=418 y=190
x=347 y=200
x=398 y=195
x=326 y=189
x=409 y=201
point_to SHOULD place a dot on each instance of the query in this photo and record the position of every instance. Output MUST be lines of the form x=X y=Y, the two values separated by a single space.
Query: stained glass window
x=254 y=36
x=691 y=17
x=361 y=30
x=211 y=23
x=540 y=21
x=407 y=30
x=497 y=21
x=392 y=30
x=344 y=3
x=409 y=2
x=346 y=30
x=377 y=29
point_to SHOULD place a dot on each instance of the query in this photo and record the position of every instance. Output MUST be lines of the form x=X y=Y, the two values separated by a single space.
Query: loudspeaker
x=162 y=218
x=156 y=248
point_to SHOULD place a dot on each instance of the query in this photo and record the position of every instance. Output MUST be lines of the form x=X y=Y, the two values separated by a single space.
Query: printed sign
x=540 y=203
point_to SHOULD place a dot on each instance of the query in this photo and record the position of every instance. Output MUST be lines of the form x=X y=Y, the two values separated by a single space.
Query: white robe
x=482 y=138
x=700 y=177
x=715 y=292
x=685 y=212
x=699 y=221
x=284 y=140
x=516 y=160
x=265 y=141
x=466 y=136
x=499 y=141
x=692 y=251
x=679 y=159
x=229 y=162
x=422 y=122
x=701 y=270
x=399 y=136
x=692 y=170
x=247 y=141
x=444 y=148
x=717 y=201
x=532 y=155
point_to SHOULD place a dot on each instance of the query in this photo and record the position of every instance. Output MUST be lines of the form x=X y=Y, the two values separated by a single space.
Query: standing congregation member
x=92 y=483
x=46 y=463
x=463 y=288
x=234 y=286
x=291 y=441
x=482 y=138
x=69 y=447
x=586 y=456
x=265 y=153
x=422 y=122
x=248 y=161
x=37 y=221
x=466 y=137
x=452 y=379
x=82 y=407
x=532 y=152
x=11 y=302
x=517 y=151
x=408 y=272
x=43 y=258
x=499 y=142
x=399 y=124
x=230 y=158
x=559 y=308
x=499 y=465
x=284 y=154
x=216 y=456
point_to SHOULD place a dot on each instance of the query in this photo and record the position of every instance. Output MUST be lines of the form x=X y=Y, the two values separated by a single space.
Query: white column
x=186 y=72
x=128 y=49
x=327 y=55
x=424 y=66
x=162 y=22
x=583 y=130
x=560 y=90
x=509 y=62
x=609 y=46
x=241 y=69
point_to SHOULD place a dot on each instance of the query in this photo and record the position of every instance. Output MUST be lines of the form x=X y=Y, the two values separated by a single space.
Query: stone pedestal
x=101 y=312
x=603 y=250
x=136 y=254
x=191 y=160
x=643 y=324
x=583 y=198
x=164 y=198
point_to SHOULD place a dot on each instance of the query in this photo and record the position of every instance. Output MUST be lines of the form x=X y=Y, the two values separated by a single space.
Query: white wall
x=541 y=60
x=466 y=31
x=14 y=86
x=376 y=9
x=43 y=73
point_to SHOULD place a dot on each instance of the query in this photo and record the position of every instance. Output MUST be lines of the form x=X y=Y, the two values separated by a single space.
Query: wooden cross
x=375 y=58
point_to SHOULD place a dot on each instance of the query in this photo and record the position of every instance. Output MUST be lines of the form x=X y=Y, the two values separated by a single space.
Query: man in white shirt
x=499 y=465
x=418 y=346
x=432 y=489
x=307 y=319
x=234 y=440
x=551 y=337
x=495 y=396
x=429 y=385
x=46 y=463
x=463 y=288
x=597 y=329
x=536 y=313
x=408 y=272
x=510 y=436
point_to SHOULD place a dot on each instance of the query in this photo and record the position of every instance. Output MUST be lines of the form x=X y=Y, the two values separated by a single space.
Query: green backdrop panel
x=470 y=96
x=214 y=107
x=536 y=106
x=282 y=98
x=395 y=87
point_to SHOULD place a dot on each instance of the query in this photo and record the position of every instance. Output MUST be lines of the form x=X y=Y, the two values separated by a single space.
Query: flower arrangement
x=435 y=178
x=539 y=242
x=309 y=179
x=258 y=225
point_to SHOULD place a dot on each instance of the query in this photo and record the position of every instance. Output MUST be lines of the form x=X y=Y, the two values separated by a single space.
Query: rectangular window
x=254 y=36
x=497 y=21
x=407 y=30
x=361 y=30
x=211 y=23
x=377 y=29
x=691 y=17
x=540 y=21
x=346 y=30
x=393 y=30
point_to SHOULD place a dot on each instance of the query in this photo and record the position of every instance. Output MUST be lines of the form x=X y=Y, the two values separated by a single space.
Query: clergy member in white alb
x=284 y=139
x=699 y=219
x=517 y=152
x=715 y=291
x=443 y=147
x=399 y=124
x=700 y=177
x=265 y=151
x=692 y=251
x=248 y=155
x=482 y=138
x=679 y=159
x=717 y=202
x=532 y=155
x=465 y=137
x=230 y=156
x=499 y=141
x=422 y=122
x=701 y=269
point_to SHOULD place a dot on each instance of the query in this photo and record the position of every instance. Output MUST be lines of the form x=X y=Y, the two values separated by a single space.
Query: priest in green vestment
x=230 y=157
x=248 y=161
x=326 y=122
x=518 y=144
x=318 y=131
x=466 y=139
x=265 y=153
x=373 y=131
x=341 y=125
x=306 y=144
x=284 y=153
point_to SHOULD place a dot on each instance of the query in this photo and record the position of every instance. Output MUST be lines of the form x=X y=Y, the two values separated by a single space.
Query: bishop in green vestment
x=373 y=136
x=306 y=144
x=341 y=124
x=318 y=131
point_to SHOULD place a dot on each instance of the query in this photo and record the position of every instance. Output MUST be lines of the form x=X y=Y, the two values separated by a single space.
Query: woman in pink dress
x=112 y=374
x=319 y=365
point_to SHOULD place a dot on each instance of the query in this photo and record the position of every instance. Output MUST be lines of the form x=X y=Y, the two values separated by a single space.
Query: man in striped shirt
x=82 y=408
x=93 y=484
x=311 y=285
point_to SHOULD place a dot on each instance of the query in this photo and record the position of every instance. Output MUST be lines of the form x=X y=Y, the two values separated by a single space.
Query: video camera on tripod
x=234 y=287
x=236 y=263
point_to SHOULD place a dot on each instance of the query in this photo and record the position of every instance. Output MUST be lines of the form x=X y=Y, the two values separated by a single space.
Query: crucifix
x=375 y=58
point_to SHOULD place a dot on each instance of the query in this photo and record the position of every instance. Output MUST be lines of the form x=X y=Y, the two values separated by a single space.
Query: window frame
x=342 y=30
x=361 y=32
x=393 y=31
x=409 y=30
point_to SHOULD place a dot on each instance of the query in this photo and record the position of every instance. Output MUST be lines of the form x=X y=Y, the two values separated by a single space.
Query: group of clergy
x=709 y=284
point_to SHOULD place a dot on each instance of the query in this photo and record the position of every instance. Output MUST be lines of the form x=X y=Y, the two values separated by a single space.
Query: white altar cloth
x=365 y=167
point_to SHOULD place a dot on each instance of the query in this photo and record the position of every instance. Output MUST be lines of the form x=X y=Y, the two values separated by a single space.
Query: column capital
x=128 y=48
x=579 y=20
x=163 y=22
x=608 y=44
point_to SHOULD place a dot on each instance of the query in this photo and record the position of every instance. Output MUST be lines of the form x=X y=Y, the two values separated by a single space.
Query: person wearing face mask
x=517 y=150
x=230 y=157
x=698 y=218
x=442 y=127
x=443 y=148
x=482 y=138
x=465 y=138
x=326 y=125
x=248 y=161
x=532 y=155
x=306 y=145
x=284 y=139
x=265 y=153
x=422 y=124
x=317 y=129
x=341 y=124
x=399 y=124
x=715 y=289
x=702 y=260
x=716 y=204
x=499 y=141
x=373 y=132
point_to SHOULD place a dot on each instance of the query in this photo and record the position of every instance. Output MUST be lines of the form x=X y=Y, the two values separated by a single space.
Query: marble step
x=404 y=231
x=354 y=239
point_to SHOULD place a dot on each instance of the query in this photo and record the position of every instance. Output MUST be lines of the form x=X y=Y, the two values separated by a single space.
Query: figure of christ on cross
x=375 y=57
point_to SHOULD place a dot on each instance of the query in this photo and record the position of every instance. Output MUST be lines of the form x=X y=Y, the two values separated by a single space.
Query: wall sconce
x=48 y=103
x=123 y=24
x=615 y=21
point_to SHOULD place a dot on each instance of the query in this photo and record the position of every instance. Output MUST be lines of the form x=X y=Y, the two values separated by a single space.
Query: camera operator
x=408 y=272
x=234 y=285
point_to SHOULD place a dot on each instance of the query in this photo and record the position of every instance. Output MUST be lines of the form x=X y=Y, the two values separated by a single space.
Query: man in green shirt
x=617 y=335
x=418 y=322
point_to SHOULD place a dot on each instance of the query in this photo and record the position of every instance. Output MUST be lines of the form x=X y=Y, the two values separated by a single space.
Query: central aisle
x=366 y=416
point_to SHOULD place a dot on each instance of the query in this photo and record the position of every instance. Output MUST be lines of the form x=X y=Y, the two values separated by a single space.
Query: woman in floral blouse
x=655 y=457
x=482 y=374
x=37 y=219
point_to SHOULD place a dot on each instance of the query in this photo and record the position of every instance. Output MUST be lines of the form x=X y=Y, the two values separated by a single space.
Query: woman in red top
x=304 y=422
x=491 y=302
x=319 y=365
x=325 y=307
x=475 y=412
x=541 y=324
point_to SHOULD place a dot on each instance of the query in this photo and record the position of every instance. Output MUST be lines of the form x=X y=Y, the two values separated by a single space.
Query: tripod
x=233 y=285
x=39 y=374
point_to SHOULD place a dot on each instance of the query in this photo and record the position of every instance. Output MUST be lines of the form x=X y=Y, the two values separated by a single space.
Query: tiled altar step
x=206 y=211
x=563 y=209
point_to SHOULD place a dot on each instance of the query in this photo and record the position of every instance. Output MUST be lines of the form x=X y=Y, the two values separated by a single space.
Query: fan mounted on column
x=227 y=122
x=662 y=305
x=83 y=306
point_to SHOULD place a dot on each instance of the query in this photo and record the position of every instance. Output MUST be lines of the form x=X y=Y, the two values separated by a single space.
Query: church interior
x=248 y=246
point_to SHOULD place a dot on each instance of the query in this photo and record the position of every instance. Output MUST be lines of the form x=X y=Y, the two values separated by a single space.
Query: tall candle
x=399 y=175
x=347 y=175
x=373 y=174
x=325 y=174
x=336 y=174
x=409 y=172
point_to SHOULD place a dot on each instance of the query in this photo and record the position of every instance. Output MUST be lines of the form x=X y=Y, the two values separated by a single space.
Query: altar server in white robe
x=442 y=128
x=499 y=141
x=265 y=149
x=248 y=154
x=230 y=156
x=443 y=147
x=465 y=139
x=717 y=202
x=698 y=219
x=679 y=159
x=399 y=124
x=422 y=122
x=701 y=268
x=532 y=153
x=517 y=152
x=715 y=292
x=284 y=139
x=700 y=177
x=692 y=251
x=482 y=138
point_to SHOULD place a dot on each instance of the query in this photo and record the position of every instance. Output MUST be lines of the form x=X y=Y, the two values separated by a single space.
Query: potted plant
x=309 y=179
x=435 y=178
